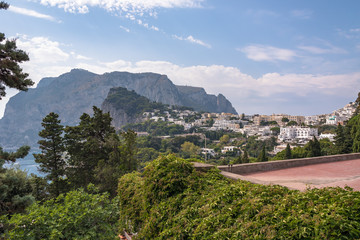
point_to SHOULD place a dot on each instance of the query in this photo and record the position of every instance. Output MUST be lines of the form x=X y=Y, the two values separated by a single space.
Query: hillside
x=75 y=92
x=127 y=106
x=170 y=200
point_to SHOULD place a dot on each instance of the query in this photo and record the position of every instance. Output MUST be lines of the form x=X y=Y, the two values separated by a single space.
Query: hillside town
x=287 y=129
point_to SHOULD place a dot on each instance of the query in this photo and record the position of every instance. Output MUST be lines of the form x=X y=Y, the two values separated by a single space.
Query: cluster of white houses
x=253 y=125
x=298 y=133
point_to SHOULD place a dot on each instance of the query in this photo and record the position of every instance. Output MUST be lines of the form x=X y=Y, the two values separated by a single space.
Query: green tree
x=224 y=139
x=15 y=192
x=11 y=74
x=120 y=160
x=52 y=156
x=238 y=159
x=275 y=130
x=189 y=150
x=76 y=215
x=12 y=156
x=285 y=120
x=341 y=140
x=288 y=152
x=86 y=146
x=292 y=123
x=263 y=156
x=313 y=148
x=245 y=157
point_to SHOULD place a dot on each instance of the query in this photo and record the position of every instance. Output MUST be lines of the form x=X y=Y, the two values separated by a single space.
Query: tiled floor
x=342 y=173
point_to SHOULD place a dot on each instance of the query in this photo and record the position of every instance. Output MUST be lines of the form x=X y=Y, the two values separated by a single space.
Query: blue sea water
x=28 y=164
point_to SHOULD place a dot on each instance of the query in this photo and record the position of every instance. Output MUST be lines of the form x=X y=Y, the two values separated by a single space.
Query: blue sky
x=265 y=56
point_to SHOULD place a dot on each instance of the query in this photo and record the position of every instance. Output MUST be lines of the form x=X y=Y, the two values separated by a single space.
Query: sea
x=27 y=164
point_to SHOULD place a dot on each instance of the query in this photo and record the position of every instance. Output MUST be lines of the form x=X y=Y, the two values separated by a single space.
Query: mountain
x=127 y=106
x=75 y=92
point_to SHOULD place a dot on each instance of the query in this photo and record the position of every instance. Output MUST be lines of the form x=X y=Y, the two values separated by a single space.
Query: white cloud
x=191 y=39
x=31 y=13
x=133 y=6
x=328 y=48
x=302 y=14
x=42 y=50
x=353 y=33
x=268 y=53
x=355 y=30
x=248 y=94
x=81 y=57
x=125 y=28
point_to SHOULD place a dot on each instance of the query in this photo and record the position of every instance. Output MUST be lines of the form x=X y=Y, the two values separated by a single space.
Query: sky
x=265 y=56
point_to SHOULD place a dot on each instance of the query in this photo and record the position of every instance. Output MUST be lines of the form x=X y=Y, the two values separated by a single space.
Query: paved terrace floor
x=342 y=173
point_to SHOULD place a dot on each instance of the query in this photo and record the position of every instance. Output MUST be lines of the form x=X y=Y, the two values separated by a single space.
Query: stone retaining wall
x=282 y=164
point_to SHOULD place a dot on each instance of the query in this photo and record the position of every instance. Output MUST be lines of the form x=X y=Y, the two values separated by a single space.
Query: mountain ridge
x=75 y=92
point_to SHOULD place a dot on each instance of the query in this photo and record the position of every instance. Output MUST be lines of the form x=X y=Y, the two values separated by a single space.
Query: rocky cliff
x=75 y=92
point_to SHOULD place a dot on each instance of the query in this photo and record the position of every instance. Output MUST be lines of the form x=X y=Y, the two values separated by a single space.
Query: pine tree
x=245 y=157
x=288 y=152
x=86 y=147
x=51 y=158
x=11 y=74
x=313 y=148
x=263 y=156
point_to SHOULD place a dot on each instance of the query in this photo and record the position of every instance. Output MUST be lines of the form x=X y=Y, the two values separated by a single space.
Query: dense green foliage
x=15 y=191
x=313 y=148
x=172 y=201
x=263 y=156
x=156 y=128
x=90 y=152
x=15 y=185
x=255 y=146
x=76 y=215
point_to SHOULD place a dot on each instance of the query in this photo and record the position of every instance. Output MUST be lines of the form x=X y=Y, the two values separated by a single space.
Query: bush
x=76 y=215
x=196 y=205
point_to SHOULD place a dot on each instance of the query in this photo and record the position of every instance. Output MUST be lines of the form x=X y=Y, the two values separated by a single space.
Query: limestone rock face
x=74 y=93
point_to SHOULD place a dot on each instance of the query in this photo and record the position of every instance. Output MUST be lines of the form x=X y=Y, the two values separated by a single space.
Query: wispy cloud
x=191 y=39
x=124 y=28
x=327 y=49
x=353 y=33
x=146 y=25
x=133 y=6
x=267 y=53
x=31 y=13
x=302 y=14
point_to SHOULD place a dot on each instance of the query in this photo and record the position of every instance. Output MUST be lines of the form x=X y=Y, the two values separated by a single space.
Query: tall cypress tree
x=245 y=157
x=288 y=152
x=51 y=158
x=340 y=139
x=263 y=156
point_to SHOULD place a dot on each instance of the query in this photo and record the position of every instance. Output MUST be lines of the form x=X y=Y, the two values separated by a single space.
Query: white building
x=330 y=136
x=333 y=120
x=299 y=133
x=227 y=149
x=312 y=120
x=208 y=151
